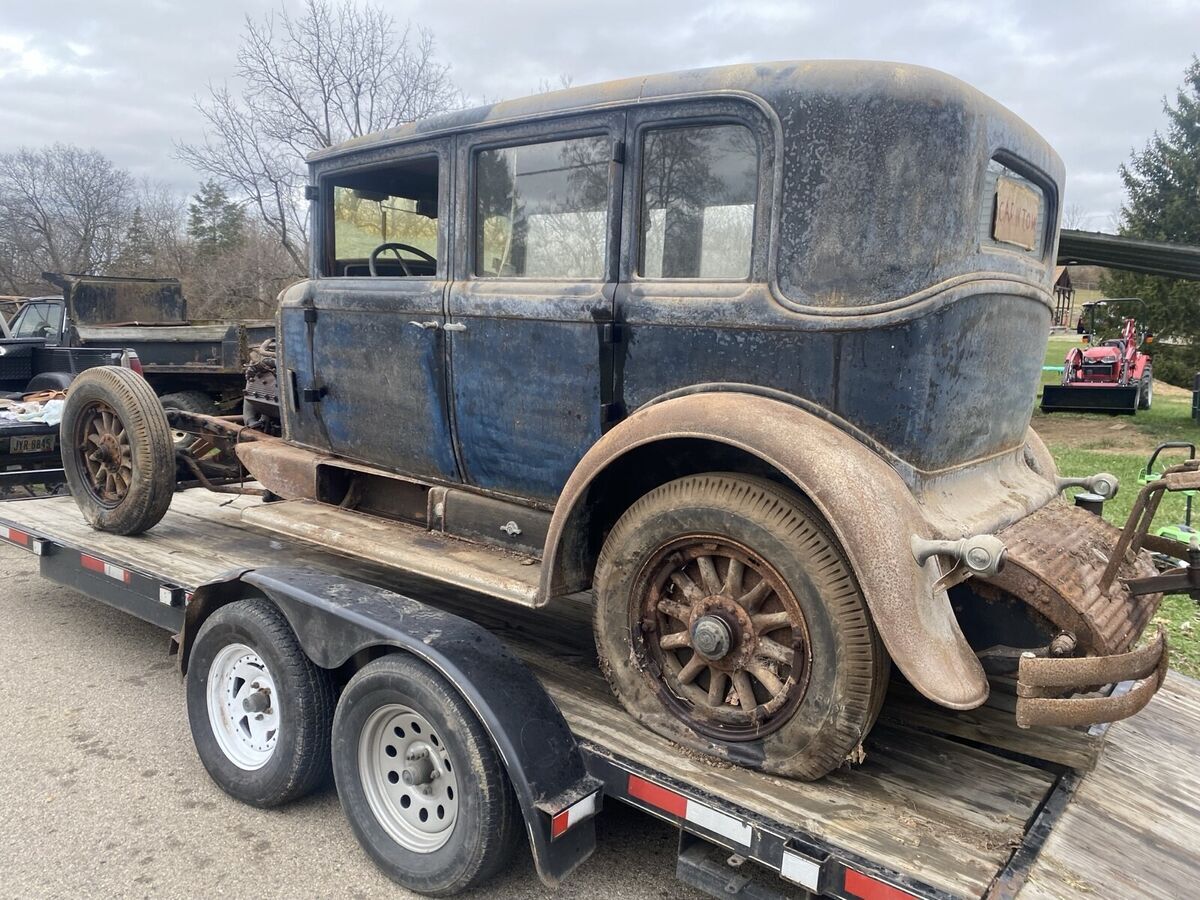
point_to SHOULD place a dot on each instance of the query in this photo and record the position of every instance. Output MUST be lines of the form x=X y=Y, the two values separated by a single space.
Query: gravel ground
x=102 y=793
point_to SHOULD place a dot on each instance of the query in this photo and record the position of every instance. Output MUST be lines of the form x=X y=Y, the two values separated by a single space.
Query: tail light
x=130 y=360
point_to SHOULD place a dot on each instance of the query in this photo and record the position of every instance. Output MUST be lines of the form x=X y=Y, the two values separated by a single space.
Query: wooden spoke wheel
x=726 y=634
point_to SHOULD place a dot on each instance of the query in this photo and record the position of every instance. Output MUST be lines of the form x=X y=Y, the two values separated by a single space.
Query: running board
x=409 y=548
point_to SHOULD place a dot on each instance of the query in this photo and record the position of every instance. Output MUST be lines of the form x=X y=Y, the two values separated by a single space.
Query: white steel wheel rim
x=408 y=778
x=243 y=706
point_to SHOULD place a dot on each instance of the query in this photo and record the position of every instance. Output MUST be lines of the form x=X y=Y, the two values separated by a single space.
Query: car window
x=699 y=186
x=37 y=320
x=393 y=204
x=542 y=209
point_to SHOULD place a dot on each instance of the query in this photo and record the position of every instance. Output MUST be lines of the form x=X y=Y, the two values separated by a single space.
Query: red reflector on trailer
x=92 y=564
x=573 y=815
x=659 y=797
x=871 y=889
x=713 y=820
x=17 y=537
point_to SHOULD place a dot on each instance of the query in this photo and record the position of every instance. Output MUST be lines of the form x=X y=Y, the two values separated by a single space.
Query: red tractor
x=1114 y=376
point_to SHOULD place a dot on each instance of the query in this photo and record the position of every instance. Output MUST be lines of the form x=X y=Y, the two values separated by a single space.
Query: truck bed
x=937 y=802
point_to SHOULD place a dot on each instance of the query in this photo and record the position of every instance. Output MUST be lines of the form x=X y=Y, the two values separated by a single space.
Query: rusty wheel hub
x=103 y=446
x=722 y=637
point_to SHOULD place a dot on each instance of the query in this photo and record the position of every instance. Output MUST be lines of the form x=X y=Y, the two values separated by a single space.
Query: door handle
x=454 y=326
x=428 y=326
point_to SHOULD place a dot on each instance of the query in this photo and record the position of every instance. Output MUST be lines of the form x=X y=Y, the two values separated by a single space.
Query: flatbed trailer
x=944 y=805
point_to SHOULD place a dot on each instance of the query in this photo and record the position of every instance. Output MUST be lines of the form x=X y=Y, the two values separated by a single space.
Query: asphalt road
x=101 y=792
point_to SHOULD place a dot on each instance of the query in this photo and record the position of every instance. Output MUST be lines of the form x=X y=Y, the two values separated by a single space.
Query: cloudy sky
x=1090 y=76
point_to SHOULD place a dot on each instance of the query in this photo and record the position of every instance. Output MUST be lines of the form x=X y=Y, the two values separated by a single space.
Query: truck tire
x=117 y=453
x=188 y=401
x=728 y=620
x=420 y=781
x=247 y=655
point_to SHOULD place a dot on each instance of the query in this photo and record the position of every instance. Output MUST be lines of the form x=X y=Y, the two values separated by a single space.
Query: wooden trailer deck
x=965 y=803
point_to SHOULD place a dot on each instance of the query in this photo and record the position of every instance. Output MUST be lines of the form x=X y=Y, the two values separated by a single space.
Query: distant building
x=1064 y=298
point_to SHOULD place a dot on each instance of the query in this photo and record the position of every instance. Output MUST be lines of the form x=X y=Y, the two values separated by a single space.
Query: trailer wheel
x=420 y=782
x=728 y=619
x=260 y=711
x=117 y=452
x=188 y=401
x=1146 y=391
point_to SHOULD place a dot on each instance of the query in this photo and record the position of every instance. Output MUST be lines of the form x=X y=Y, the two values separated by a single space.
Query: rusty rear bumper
x=1043 y=682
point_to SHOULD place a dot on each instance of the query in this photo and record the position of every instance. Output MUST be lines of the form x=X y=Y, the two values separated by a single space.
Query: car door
x=365 y=352
x=530 y=329
x=694 y=304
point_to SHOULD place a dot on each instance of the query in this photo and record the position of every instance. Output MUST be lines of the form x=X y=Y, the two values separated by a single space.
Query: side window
x=699 y=187
x=38 y=320
x=393 y=207
x=541 y=210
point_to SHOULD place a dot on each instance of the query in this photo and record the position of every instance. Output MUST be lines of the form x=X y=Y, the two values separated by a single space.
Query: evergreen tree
x=1163 y=185
x=215 y=222
x=137 y=246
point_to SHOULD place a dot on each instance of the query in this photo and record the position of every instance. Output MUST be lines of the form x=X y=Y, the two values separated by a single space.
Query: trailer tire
x=116 y=411
x=441 y=820
x=799 y=642
x=239 y=644
x=188 y=401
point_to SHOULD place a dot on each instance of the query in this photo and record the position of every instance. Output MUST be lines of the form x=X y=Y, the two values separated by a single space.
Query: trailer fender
x=870 y=509
x=336 y=619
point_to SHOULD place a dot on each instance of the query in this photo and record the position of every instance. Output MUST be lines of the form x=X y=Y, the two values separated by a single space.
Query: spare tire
x=118 y=455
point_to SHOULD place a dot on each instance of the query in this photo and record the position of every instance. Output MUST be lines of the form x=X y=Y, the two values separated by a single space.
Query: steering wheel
x=396 y=248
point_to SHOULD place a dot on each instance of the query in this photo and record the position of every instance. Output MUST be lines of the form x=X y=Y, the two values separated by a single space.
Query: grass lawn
x=1083 y=444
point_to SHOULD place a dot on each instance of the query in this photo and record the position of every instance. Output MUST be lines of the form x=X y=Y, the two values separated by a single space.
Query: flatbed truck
x=942 y=805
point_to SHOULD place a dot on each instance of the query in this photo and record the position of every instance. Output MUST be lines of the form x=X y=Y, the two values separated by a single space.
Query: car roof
x=780 y=85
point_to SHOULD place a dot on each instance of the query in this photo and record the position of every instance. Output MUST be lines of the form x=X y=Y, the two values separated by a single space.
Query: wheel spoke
x=733 y=578
x=694 y=667
x=774 y=650
x=690 y=592
x=766 y=677
x=745 y=691
x=676 y=640
x=675 y=610
x=752 y=599
x=771 y=621
x=708 y=575
x=717 y=680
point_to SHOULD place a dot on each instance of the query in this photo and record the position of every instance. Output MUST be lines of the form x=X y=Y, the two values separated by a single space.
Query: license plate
x=1018 y=209
x=33 y=443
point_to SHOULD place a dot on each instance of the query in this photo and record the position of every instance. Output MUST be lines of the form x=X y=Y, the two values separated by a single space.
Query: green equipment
x=1184 y=532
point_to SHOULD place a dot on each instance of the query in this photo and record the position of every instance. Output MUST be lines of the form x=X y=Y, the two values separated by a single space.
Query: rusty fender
x=865 y=502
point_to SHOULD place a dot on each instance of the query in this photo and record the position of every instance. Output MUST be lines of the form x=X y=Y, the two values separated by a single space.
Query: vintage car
x=717 y=347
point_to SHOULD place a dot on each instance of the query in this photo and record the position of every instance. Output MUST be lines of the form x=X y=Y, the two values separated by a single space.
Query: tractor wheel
x=117 y=452
x=1146 y=391
x=728 y=620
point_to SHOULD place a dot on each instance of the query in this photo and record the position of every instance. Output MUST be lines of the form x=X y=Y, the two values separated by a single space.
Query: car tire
x=123 y=485
x=397 y=723
x=799 y=644
x=244 y=649
x=188 y=401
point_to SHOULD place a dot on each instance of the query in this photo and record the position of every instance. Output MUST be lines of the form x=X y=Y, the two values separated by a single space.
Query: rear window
x=699 y=187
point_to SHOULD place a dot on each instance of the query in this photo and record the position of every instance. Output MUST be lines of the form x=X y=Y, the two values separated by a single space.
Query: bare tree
x=1073 y=217
x=61 y=208
x=306 y=82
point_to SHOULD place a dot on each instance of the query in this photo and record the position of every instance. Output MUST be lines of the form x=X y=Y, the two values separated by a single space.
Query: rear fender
x=866 y=503
x=336 y=620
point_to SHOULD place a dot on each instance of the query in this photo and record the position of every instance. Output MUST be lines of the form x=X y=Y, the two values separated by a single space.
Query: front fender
x=335 y=618
x=864 y=500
